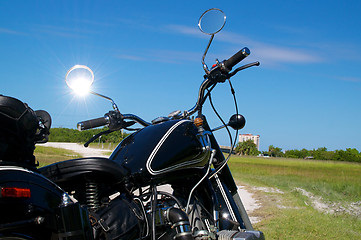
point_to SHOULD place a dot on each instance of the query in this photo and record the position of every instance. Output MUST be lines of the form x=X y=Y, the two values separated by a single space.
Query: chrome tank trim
x=159 y=145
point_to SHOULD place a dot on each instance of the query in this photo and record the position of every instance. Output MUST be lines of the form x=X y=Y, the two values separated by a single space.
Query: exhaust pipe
x=180 y=222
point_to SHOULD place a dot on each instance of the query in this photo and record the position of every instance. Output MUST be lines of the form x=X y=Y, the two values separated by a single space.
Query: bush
x=348 y=155
x=72 y=135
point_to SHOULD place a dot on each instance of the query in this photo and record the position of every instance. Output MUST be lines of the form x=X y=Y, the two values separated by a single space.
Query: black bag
x=120 y=219
x=18 y=126
x=20 y=129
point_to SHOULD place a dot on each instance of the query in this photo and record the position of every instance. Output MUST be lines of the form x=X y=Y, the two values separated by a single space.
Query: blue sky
x=146 y=55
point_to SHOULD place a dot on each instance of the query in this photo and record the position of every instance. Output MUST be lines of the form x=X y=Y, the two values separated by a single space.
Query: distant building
x=246 y=137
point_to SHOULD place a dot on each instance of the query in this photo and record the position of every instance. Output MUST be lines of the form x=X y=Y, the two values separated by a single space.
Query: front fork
x=235 y=210
x=224 y=181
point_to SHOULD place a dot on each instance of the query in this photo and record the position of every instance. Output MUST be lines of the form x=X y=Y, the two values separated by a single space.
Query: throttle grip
x=93 y=123
x=236 y=58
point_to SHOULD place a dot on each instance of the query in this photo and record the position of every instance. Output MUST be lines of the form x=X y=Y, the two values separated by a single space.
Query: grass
x=334 y=181
x=307 y=223
x=291 y=215
x=49 y=155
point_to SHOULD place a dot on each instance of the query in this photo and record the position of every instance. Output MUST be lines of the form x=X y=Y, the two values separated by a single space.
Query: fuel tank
x=169 y=149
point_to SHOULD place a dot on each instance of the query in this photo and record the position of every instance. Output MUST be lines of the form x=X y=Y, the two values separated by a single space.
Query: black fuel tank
x=160 y=149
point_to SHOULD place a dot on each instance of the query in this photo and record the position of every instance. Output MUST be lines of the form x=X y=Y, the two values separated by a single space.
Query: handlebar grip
x=236 y=58
x=93 y=123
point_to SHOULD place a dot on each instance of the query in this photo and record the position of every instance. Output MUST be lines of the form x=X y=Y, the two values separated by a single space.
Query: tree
x=247 y=148
x=350 y=155
x=275 y=151
x=322 y=154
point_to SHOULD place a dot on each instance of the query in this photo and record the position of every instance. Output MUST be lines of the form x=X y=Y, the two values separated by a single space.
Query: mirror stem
x=115 y=107
x=218 y=128
x=205 y=53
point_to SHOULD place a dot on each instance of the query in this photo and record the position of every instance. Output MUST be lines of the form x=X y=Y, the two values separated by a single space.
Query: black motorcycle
x=167 y=180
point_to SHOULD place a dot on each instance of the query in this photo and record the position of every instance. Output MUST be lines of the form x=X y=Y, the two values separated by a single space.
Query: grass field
x=48 y=155
x=308 y=199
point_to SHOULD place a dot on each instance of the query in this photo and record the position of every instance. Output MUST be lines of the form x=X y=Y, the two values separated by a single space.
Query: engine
x=171 y=220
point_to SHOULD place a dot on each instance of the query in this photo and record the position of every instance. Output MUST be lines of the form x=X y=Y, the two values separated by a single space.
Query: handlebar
x=219 y=74
x=113 y=121
x=236 y=58
x=137 y=119
x=93 y=123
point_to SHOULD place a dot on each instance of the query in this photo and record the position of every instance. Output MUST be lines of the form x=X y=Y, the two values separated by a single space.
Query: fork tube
x=154 y=205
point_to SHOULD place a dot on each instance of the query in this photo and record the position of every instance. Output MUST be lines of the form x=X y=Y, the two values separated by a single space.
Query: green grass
x=338 y=182
x=334 y=181
x=307 y=223
x=49 y=155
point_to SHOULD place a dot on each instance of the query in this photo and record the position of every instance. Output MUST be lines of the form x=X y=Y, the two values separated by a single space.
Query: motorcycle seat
x=70 y=170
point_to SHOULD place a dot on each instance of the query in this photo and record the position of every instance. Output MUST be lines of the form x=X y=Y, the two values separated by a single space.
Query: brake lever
x=124 y=125
x=96 y=136
x=244 y=67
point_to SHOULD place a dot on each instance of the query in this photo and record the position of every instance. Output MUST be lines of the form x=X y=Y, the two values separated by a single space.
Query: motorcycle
x=167 y=180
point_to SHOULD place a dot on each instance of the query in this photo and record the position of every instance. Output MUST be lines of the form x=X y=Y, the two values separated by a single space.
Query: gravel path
x=79 y=148
x=249 y=202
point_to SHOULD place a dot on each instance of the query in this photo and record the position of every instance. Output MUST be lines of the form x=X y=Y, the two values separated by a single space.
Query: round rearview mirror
x=212 y=21
x=80 y=78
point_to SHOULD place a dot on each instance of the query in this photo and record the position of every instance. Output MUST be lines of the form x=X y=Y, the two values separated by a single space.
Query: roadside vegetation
x=248 y=148
x=303 y=199
x=73 y=135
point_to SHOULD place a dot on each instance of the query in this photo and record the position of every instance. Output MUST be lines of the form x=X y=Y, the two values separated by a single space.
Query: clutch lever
x=244 y=67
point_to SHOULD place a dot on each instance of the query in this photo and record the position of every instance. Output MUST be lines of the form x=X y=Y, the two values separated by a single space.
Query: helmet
x=20 y=129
